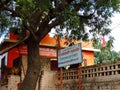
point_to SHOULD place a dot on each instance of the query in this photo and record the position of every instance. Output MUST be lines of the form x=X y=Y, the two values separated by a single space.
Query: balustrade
x=93 y=71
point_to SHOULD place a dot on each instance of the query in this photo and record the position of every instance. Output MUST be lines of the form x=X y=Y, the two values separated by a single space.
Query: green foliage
x=75 y=16
x=106 y=54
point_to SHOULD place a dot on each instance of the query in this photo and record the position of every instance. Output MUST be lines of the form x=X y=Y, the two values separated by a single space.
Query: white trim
x=2 y=56
x=91 y=49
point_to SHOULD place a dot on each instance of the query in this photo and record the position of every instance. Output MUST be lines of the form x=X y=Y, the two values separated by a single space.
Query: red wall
x=12 y=55
x=13 y=36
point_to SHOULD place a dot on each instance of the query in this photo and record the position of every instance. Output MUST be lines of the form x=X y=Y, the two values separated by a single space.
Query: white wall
x=1 y=57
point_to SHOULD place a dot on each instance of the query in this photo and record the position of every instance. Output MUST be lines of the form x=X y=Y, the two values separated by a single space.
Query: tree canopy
x=38 y=17
x=74 y=15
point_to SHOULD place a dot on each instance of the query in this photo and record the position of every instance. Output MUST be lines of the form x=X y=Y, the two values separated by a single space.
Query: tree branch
x=30 y=29
x=55 y=23
x=43 y=30
x=11 y=47
x=9 y=9
x=58 y=8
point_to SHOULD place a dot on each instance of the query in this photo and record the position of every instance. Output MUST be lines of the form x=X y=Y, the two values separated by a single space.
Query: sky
x=115 y=26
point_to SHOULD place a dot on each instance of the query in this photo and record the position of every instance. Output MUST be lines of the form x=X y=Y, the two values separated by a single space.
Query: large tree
x=38 y=17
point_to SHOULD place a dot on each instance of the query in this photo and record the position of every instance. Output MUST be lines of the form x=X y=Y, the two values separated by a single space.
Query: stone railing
x=95 y=71
x=96 y=77
x=69 y=74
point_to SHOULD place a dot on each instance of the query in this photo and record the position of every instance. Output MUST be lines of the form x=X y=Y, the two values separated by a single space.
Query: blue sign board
x=70 y=55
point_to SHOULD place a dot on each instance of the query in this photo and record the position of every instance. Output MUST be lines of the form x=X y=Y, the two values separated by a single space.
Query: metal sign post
x=80 y=77
x=60 y=78
x=58 y=48
x=69 y=56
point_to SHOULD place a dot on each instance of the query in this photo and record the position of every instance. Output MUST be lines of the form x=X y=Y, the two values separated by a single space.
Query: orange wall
x=47 y=40
x=89 y=57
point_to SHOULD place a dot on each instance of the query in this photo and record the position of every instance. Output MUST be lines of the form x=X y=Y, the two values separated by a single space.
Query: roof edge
x=91 y=49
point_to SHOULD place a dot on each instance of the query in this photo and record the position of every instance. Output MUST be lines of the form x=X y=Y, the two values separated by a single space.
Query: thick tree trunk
x=34 y=66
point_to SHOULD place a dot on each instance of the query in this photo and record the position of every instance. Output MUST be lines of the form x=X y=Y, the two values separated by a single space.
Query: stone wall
x=13 y=81
x=49 y=78
x=97 y=77
x=101 y=77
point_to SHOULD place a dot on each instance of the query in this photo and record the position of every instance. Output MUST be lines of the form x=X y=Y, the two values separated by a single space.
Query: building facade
x=17 y=59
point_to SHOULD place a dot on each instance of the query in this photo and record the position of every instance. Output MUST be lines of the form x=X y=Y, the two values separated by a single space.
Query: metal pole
x=80 y=77
x=58 y=48
x=60 y=78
